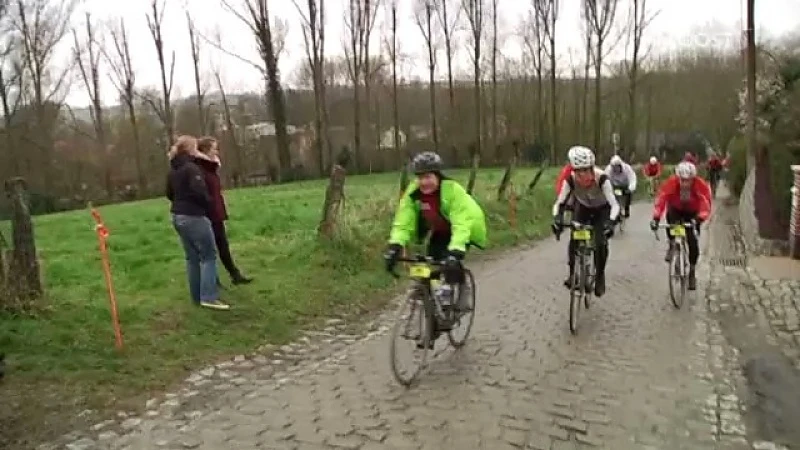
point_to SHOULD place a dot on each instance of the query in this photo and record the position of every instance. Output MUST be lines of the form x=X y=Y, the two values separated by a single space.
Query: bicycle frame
x=680 y=254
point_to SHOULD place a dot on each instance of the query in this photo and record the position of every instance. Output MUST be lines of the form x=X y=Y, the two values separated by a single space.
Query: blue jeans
x=197 y=239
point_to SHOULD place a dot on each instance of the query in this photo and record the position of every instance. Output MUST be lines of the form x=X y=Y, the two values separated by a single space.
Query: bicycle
x=619 y=194
x=583 y=276
x=678 y=272
x=422 y=306
x=651 y=187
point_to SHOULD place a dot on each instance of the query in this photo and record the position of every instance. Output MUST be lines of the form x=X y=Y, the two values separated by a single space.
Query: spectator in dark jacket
x=191 y=201
x=218 y=213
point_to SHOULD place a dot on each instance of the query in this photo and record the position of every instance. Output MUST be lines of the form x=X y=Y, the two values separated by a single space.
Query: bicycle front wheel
x=576 y=292
x=677 y=276
x=466 y=312
x=413 y=330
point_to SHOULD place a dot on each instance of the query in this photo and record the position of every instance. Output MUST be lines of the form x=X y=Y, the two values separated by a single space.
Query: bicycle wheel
x=460 y=332
x=412 y=326
x=576 y=293
x=677 y=277
x=590 y=279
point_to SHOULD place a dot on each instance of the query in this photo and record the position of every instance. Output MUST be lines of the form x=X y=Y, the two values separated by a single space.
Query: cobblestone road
x=639 y=375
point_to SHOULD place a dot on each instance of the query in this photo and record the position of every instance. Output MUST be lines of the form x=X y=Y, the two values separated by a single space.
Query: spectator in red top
x=218 y=213
x=686 y=198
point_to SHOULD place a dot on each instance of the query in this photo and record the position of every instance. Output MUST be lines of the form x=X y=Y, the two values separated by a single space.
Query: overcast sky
x=679 y=23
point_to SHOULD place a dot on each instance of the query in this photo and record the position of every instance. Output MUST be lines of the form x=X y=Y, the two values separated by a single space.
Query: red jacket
x=669 y=195
x=562 y=177
x=652 y=170
x=218 y=212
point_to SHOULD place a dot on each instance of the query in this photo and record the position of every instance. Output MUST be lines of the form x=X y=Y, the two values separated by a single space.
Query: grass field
x=272 y=232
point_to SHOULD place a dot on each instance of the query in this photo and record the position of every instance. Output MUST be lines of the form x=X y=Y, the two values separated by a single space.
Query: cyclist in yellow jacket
x=442 y=207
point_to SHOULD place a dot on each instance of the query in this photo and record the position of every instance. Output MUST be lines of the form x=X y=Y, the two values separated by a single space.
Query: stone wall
x=756 y=245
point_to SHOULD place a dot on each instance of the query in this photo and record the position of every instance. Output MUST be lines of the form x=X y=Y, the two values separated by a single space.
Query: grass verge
x=64 y=360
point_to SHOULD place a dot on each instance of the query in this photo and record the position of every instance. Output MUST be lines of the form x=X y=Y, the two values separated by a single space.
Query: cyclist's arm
x=562 y=198
x=705 y=189
x=464 y=212
x=608 y=192
x=405 y=221
x=631 y=177
x=661 y=199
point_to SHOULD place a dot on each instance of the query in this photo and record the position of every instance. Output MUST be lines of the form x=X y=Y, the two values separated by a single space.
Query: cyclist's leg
x=628 y=199
x=672 y=218
x=437 y=248
x=599 y=220
x=578 y=215
x=694 y=250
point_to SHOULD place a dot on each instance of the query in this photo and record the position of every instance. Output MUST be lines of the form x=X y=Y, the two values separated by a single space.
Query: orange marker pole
x=102 y=237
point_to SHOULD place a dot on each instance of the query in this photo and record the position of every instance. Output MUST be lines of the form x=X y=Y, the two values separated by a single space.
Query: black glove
x=391 y=256
x=558 y=225
x=654 y=225
x=609 y=230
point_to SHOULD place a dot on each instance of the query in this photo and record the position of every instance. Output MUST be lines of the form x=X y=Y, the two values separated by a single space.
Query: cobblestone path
x=640 y=375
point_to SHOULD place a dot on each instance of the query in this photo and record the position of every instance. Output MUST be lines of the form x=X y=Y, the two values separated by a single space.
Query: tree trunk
x=431 y=75
x=334 y=196
x=598 y=113
x=25 y=285
x=752 y=139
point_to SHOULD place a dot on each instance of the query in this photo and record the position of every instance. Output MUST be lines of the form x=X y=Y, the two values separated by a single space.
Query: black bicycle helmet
x=426 y=162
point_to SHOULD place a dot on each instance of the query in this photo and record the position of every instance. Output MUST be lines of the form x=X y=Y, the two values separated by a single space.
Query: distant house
x=387 y=139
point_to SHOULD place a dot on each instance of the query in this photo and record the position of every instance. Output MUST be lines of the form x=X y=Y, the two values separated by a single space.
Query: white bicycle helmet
x=653 y=160
x=686 y=170
x=581 y=157
x=616 y=160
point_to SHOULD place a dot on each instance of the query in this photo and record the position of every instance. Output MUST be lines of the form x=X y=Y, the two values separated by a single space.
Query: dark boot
x=600 y=285
x=670 y=252
x=692 y=279
x=568 y=281
x=237 y=279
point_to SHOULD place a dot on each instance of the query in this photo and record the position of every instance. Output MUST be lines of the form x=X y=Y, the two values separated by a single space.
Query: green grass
x=272 y=233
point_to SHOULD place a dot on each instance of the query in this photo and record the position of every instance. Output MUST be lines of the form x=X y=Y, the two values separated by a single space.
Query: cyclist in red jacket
x=689 y=157
x=652 y=170
x=686 y=198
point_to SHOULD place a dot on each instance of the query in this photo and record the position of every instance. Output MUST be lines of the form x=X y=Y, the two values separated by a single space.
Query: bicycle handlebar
x=573 y=225
x=417 y=259
x=667 y=226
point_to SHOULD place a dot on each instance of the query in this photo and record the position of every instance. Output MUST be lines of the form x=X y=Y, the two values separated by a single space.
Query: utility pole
x=752 y=139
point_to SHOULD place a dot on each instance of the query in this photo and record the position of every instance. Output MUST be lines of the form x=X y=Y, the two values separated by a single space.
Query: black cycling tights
x=598 y=218
x=679 y=217
x=437 y=249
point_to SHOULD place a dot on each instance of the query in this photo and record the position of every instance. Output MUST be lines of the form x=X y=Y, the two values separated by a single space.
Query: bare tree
x=11 y=85
x=587 y=65
x=423 y=16
x=42 y=25
x=194 y=46
x=314 y=38
x=475 y=16
x=600 y=15
x=270 y=41
x=370 y=8
x=547 y=13
x=532 y=33
x=164 y=109
x=87 y=56
x=230 y=132
x=448 y=21
x=494 y=140
x=393 y=53
x=640 y=19
x=124 y=79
